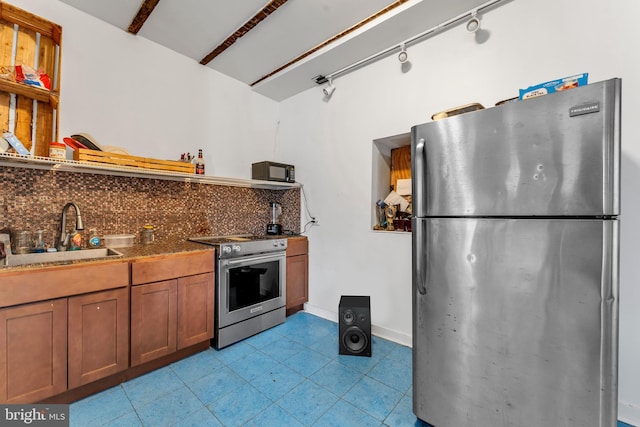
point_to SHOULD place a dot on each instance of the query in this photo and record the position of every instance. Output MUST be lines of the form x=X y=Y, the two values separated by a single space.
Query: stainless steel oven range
x=250 y=285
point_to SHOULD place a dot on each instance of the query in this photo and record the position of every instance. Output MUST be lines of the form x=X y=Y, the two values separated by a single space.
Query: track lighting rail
x=321 y=79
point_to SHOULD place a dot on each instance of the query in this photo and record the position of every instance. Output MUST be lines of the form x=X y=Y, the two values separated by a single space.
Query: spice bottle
x=147 y=235
x=200 y=163
x=57 y=150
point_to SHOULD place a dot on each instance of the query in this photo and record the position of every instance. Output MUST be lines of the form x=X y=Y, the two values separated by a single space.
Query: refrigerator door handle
x=420 y=253
x=419 y=243
x=419 y=178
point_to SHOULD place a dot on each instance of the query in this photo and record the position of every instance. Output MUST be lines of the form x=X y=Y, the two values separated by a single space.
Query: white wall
x=127 y=91
x=530 y=41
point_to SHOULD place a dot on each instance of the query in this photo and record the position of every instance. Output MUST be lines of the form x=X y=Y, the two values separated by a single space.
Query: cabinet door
x=195 y=309
x=153 y=320
x=297 y=280
x=98 y=335
x=33 y=363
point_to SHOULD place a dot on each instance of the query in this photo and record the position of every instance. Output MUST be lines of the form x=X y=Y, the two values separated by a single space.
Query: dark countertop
x=130 y=253
x=139 y=251
x=283 y=236
x=162 y=248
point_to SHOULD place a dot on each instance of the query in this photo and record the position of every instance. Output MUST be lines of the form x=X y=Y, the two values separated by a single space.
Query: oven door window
x=253 y=284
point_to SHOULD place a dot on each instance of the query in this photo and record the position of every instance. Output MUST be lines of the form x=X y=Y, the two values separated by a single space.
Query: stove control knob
x=236 y=248
x=226 y=249
x=275 y=243
x=282 y=243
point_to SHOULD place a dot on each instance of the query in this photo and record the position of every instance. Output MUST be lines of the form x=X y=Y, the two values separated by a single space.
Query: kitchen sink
x=46 y=257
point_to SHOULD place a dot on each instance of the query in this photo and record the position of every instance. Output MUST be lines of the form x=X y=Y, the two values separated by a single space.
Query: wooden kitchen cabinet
x=153 y=320
x=67 y=331
x=42 y=325
x=98 y=335
x=297 y=274
x=174 y=310
x=33 y=354
x=195 y=309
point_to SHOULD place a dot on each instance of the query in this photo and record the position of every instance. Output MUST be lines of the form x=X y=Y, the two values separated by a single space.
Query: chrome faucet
x=64 y=236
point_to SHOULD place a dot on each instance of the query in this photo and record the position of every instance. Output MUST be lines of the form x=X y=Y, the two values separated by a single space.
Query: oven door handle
x=244 y=260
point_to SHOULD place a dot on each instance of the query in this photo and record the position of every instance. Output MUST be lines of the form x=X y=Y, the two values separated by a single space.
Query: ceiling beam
x=271 y=7
x=144 y=11
x=332 y=39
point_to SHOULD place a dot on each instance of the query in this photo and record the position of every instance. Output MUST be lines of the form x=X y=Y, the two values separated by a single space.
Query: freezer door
x=515 y=322
x=555 y=155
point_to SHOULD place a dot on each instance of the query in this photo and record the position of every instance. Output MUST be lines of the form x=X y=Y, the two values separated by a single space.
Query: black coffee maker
x=274 y=227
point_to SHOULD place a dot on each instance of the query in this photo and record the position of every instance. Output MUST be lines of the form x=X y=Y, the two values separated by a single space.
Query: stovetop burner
x=242 y=244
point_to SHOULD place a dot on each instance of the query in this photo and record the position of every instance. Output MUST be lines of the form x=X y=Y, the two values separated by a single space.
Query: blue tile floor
x=290 y=375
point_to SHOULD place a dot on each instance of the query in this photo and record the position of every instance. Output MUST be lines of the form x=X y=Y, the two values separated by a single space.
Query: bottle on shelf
x=199 y=163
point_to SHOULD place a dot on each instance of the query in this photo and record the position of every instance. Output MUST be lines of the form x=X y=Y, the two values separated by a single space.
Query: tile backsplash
x=32 y=199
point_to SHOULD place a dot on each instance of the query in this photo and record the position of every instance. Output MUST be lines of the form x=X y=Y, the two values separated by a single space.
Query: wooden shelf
x=32 y=92
x=45 y=163
x=29 y=40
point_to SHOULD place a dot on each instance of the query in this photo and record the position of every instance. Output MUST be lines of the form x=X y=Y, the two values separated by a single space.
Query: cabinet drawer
x=156 y=269
x=46 y=283
x=297 y=246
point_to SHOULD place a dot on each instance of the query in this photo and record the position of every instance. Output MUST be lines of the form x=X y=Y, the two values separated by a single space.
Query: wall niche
x=391 y=161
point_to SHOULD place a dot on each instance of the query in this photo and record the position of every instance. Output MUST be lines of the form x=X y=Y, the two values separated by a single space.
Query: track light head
x=473 y=24
x=328 y=91
x=403 y=56
x=320 y=79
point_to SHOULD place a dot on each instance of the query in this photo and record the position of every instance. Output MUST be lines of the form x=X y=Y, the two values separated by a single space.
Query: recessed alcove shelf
x=381 y=168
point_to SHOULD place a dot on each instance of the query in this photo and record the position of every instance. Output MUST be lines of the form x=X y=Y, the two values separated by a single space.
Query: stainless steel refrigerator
x=515 y=263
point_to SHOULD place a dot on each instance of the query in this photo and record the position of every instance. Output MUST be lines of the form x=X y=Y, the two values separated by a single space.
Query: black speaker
x=354 y=325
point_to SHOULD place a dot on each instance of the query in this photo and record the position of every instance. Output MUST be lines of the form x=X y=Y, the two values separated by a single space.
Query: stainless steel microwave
x=271 y=171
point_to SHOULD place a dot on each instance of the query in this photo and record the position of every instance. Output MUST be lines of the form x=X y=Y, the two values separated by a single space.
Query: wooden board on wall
x=400 y=165
x=6 y=39
x=45 y=123
x=25 y=54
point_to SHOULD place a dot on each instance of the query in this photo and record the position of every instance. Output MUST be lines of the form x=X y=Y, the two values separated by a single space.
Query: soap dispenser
x=76 y=241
